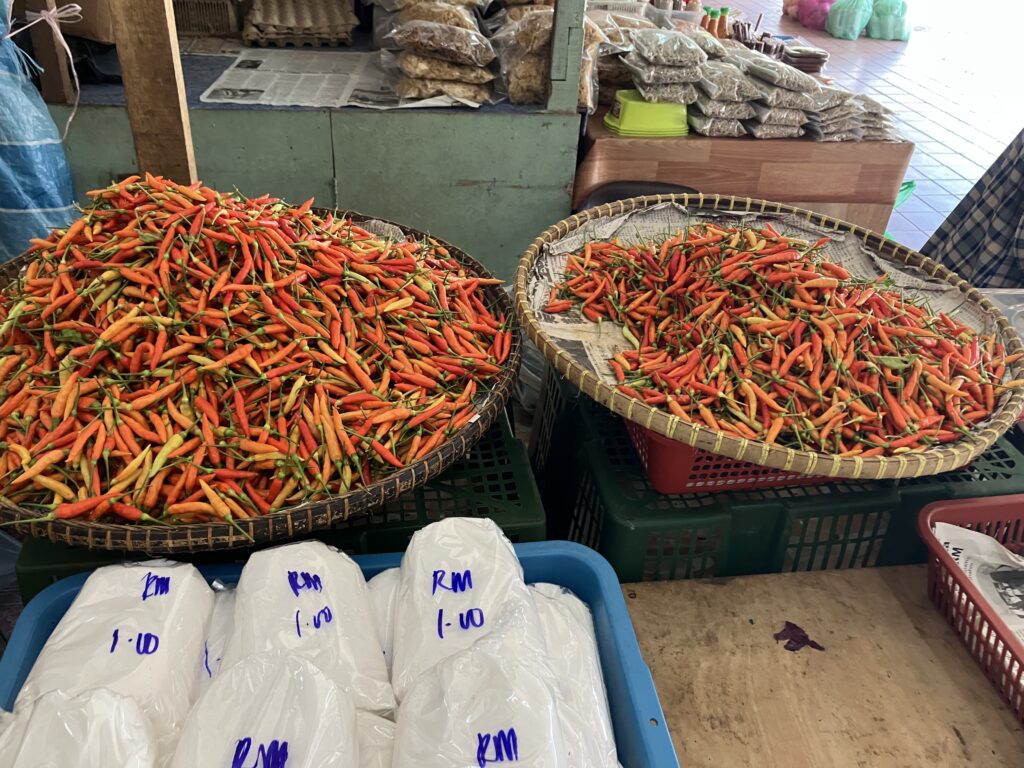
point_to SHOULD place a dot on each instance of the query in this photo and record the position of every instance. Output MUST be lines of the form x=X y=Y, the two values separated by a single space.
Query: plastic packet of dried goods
x=840 y=112
x=725 y=82
x=438 y=13
x=779 y=115
x=672 y=93
x=611 y=71
x=311 y=600
x=871 y=105
x=707 y=42
x=829 y=97
x=398 y=5
x=442 y=41
x=735 y=110
x=137 y=630
x=783 y=75
x=271 y=709
x=516 y=12
x=769 y=131
x=774 y=96
x=617 y=26
x=842 y=125
x=715 y=126
x=527 y=78
x=843 y=136
x=430 y=68
x=94 y=728
x=668 y=48
x=654 y=74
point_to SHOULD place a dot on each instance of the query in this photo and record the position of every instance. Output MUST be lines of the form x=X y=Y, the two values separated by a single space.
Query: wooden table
x=893 y=688
x=854 y=181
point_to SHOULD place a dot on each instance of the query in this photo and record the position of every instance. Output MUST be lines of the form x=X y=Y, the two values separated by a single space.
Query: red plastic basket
x=998 y=652
x=674 y=467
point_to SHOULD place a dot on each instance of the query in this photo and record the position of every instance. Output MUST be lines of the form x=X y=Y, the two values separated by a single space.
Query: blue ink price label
x=272 y=755
x=144 y=643
x=155 y=586
x=471 y=619
x=457 y=581
x=501 y=747
x=300 y=581
x=319 y=619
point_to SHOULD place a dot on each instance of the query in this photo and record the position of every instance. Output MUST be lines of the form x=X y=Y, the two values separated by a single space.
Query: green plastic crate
x=646 y=535
x=493 y=481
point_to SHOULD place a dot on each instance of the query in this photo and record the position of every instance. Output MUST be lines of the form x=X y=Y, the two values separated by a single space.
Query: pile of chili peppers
x=182 y=355
x=761 y=336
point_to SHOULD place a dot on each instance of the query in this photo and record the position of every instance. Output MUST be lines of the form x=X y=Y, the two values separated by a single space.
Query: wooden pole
x=147 y=47
x=55 y=81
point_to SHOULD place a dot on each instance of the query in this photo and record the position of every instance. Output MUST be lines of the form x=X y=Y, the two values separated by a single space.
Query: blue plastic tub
x=640 y=732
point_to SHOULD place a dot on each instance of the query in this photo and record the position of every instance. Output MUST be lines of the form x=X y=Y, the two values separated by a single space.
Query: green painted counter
x=486 y=181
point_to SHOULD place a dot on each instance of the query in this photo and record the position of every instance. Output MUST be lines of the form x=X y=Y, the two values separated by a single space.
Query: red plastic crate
x=674 y=467
x=998 y=652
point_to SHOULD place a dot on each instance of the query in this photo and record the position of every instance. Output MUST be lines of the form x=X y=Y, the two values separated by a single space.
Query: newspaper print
x=295 y=78
x=591 y=344
x=995 y=571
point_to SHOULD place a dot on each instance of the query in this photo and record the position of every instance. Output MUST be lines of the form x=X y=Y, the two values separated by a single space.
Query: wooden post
x=55 y=81
x=147 y=47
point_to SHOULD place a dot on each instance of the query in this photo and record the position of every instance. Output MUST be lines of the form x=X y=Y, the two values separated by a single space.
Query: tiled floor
x=953 y=88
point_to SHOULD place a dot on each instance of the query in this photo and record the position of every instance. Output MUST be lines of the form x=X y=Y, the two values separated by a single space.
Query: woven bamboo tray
x=306 y=518
x=931 y=461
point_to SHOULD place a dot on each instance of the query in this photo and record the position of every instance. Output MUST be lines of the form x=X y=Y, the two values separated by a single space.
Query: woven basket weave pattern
x=932 y=461
x=298 y=521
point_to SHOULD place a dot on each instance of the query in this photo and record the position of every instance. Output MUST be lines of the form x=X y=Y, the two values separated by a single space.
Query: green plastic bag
x=889 y=21
x=847 y=19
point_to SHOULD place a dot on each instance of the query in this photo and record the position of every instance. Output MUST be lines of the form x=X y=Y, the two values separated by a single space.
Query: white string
x=53 y=17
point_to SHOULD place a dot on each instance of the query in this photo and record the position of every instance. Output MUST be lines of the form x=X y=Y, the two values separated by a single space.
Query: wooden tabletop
x=892 y=688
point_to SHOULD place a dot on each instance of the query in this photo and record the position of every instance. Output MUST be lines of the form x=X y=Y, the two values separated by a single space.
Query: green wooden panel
x=99 y=146
x=286 y=153
x=488 y=182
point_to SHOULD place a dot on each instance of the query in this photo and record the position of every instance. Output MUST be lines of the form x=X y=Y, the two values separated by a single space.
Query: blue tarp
x=35 y=181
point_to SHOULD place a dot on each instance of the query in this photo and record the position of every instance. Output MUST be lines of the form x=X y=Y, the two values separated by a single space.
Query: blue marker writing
x=459 y=582
x=155 y=585
x=300 y=580
x=471 y=619
x=504 y=747
x=146 y=643
x=324 y=616
x=272 y=755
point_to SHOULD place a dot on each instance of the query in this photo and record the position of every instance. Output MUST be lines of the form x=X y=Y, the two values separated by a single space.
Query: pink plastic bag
x=812 y=13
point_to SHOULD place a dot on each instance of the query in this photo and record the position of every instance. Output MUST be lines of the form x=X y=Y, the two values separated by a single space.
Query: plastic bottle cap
x=714 y=14
x=725 y=9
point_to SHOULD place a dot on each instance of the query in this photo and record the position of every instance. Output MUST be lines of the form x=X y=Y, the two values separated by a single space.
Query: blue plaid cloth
x=982 y=240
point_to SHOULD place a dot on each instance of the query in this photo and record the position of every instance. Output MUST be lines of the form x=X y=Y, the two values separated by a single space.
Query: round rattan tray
x=931 y=461
x=306 y=518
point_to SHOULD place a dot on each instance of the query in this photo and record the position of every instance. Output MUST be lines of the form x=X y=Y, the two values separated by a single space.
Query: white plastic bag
x=573 y=658
x=383 y=589
x=493 y=703
x=137 y=629
x=217 y=635
x=94 y=728
x=457 y=576
x=271 y=709
x=311 y=600
x=376 y=740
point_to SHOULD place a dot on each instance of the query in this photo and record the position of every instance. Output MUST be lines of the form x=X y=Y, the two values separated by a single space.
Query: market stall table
x=893 y=686
x=854 y=181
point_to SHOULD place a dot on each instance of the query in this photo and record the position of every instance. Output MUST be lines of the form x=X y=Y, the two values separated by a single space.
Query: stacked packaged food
x=665 y=64
x=444 y=53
